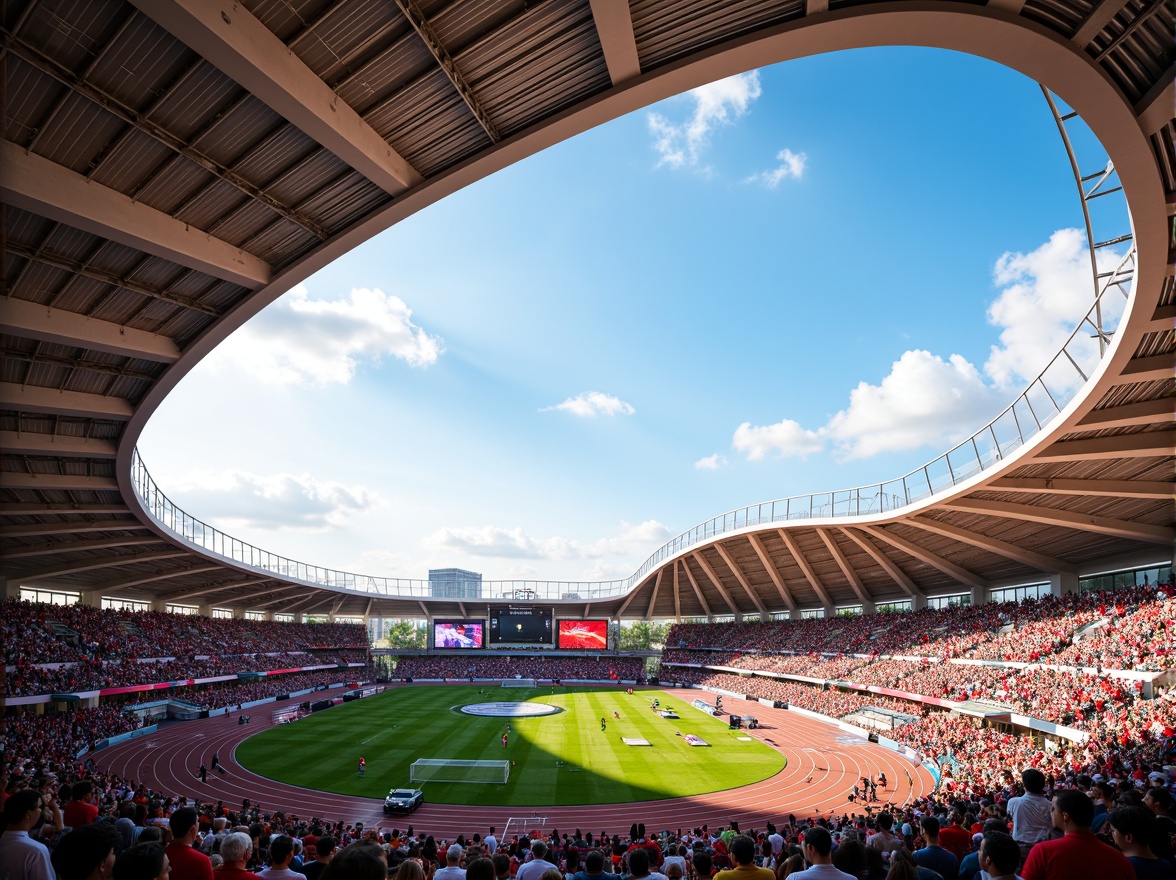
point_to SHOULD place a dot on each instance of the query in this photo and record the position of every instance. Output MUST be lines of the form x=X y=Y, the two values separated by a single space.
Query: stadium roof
x=170 y=167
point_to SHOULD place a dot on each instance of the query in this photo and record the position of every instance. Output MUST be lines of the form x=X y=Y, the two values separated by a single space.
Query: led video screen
x=583 y=635
x=458 y=633
x=520 y=624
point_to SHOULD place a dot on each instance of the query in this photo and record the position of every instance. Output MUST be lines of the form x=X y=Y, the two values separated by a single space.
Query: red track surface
x=823 y=765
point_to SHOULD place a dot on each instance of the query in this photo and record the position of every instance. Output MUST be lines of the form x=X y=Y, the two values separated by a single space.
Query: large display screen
x=520 y=624
x=458 y=633
x=583 y=635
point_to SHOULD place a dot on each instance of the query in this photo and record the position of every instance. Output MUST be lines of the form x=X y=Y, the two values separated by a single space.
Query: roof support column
x=918 y=602
x=1063 y=583
x=11 y=587
x=90 y=598
x=159 y=605
x=204 y=609
x=979 y=595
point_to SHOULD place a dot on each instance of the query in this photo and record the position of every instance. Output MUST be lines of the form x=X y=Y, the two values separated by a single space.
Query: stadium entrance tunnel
x=576 y=756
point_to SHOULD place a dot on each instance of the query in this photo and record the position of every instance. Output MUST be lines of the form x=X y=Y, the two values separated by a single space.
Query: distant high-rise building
x=454 y=583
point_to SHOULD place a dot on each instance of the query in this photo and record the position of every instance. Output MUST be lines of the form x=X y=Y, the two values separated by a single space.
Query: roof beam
x=38 y=399
x=1040 y=561
x=950 y=569
x=1163 y=318
x=735 y=570
x=36 y=184
x=221 y=586
x=56 y=508
x=285 y=590
x=245 y=50
x=1118 y=528
x=1149 y=444
x=144 y=124
x=846 y=568
x=1154 y=109
x=38 y=530
x=897 y=575
x=809 y=573
x=56 y=445
x=762 y=552
x=160 y=576
x=614 y=26
x=714 y=579
x=54 y=548
x=1146 y=412
x=628 y=599
x=33 y=321
x=653 y=595
x=1107 y=488
x=1012 y=6
x=448 y=66
x=58 y=570
x=40 y=255
x=1147 y=369
x=1100 y=16
x=697 y=590
x=677 y=597
x=57 y=482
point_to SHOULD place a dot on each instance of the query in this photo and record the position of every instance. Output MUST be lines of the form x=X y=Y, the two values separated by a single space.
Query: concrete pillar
x=979 y=595
x=91 y=598
x=918 y=602
x=204 y=609
x=269 y=615
x=1063 y=583
x=830 y=611
x=238 y=613
x=159 y=604
x=869 y=608
x=11 y=587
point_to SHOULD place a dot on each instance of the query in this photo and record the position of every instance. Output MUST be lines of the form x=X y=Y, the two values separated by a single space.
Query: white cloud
x=495 y=542
x=923 y=400
x=715 y=104
x=237 y=499
x=304 y=341
x=784 y=439
x=711 y=462
x=593 y=403
x=926 y=400
x=1047 y=291
x=791 y=165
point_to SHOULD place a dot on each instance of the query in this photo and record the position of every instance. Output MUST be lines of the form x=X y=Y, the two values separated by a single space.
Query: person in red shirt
x=1079 y=853
x=81 y=810
x=955 y=838
x=187 y=863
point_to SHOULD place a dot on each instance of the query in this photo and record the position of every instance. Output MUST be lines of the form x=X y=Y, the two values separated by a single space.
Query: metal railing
x=1026 y=417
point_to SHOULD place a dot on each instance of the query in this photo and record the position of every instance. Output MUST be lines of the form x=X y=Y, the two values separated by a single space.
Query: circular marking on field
x=510 y=710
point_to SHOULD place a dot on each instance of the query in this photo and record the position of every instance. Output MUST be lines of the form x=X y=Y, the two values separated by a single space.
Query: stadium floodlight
x=454 y=770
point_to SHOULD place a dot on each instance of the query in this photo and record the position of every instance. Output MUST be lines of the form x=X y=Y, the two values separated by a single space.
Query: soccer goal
x=453 y=770
x=518 y=683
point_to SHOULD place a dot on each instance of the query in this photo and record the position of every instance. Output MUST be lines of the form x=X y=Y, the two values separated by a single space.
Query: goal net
x=453 y=770
x=518 y=682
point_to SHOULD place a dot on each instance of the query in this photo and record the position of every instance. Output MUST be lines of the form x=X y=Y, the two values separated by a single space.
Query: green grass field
x=559 y=759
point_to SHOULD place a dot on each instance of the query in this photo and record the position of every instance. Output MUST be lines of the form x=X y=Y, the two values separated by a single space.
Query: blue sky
x=805 y=278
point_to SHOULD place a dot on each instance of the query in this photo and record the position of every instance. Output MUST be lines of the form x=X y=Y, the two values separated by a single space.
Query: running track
x=823 y=765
